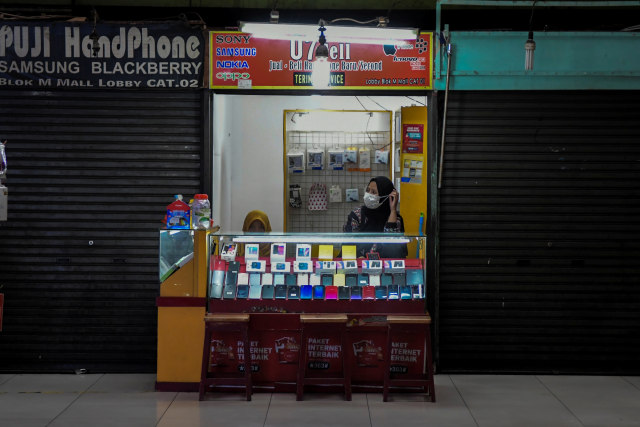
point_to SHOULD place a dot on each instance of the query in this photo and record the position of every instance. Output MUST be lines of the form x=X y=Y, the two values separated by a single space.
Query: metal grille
x=540 y=233
x=302 y=219
x=90 y=174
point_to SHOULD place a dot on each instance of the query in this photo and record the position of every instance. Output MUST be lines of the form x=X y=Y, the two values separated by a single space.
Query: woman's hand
x=393 y=200
x=393 y=204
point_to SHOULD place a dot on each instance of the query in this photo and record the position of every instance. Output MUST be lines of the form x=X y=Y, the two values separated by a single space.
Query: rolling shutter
x=540 y=233
x=90 y=174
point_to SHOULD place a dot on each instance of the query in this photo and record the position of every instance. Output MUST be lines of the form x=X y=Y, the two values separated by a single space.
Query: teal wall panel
x=563 y=60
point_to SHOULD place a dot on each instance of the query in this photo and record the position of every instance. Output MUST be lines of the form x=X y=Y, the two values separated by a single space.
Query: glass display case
x=176 y=250
x=328 y=272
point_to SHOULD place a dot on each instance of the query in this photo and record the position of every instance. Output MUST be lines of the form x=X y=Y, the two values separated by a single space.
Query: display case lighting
x=296 y=238
x=334 y=33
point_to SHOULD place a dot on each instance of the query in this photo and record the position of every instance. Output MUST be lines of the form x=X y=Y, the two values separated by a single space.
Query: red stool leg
x=247 y=361
x=302 y=364
x=432 y=386
x=387 y=366
x=206 y=354
x=346 y=363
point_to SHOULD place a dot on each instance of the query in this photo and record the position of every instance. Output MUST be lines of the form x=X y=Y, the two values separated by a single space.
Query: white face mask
x=373 y=201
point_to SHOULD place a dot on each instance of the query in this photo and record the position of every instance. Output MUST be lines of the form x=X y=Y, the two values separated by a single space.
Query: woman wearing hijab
x=379 y=214
x=258 y=222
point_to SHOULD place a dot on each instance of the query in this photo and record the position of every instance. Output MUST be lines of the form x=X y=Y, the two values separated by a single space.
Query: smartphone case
x=254 y=279
x=229 y=291
x=368 y=292
x=242 y=292
x=267 y=292
x=281 y=292
x=255 y=292
x=363 y=280
x=293 y=292
x=405 y=292
x=318 y=292
x=381 y=292
x=344 y=292
x=386 y=279
x=356 y=292
x=331 y=292
x=351 y=280
x=393 y=292
x=231 y=278
x=306 y=292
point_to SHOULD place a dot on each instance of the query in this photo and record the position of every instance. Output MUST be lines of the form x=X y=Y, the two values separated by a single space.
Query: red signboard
x=242 y=61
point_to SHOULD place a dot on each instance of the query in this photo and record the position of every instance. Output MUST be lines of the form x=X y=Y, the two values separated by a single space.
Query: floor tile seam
x=366 y=396
x=12 y=376
x=464 y=401
x=74 y=400
x=175 y=396
x=631 y=382
x=559 y=400
x=267 y=414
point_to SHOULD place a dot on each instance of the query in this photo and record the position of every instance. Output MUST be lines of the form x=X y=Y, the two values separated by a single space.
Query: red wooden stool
x=226 y=322
x=399 y=324
x=312 y=325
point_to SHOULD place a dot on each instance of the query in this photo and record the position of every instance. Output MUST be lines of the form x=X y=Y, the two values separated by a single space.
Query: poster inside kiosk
x=244 y=61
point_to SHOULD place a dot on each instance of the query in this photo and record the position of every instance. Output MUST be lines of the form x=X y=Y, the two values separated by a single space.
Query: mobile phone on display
x=381 y=292
x=290 y=279
x=393 y=292
x=327 y=279
x=344 y=292
x=405 y=292
x=255 y=292
x=242 y=292
x=306 y=292
x=267 y=292
x=386 y=279
x=231 y=278
x=331 y=292
x=368 y=292
x=399 y=279
x=351 y=280
x=254 y=279
x=229 y=291
x=293 y=292
x=363 y=279
x=281 y=291
x=417 y=291
x=318 y=292
x=356 y=292
x=278 y=279
x=234 y=266
x=414 y=277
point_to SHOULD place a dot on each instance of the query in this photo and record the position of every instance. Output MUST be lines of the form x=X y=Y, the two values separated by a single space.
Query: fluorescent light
x=296 y=238
x=334 y=33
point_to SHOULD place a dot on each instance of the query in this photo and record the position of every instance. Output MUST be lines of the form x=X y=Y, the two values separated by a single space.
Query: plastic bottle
x=201 y=212
x=178 y=214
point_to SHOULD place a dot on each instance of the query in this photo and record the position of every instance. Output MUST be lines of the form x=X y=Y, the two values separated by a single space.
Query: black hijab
x=374 y=220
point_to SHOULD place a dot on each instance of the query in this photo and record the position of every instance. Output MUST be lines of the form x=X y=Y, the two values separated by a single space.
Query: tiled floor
x=463 y=400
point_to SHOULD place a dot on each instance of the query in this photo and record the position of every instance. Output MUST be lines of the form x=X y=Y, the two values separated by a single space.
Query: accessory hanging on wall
x=317 y=197
x=295 y=201
x=335 y=194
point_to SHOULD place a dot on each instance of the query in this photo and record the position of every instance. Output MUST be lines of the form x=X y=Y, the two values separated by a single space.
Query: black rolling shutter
x=90 y=174
x=540 y=233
